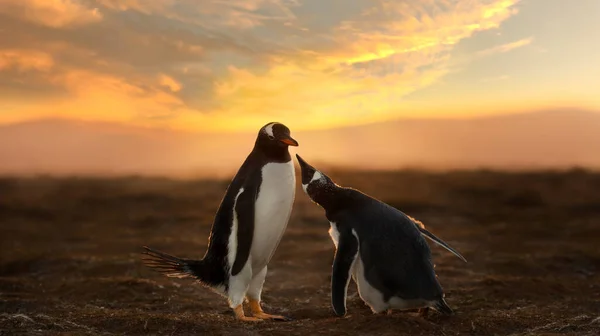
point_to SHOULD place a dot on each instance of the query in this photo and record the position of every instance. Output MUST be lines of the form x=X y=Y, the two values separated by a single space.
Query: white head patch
x=316 y=176
x=269 y=129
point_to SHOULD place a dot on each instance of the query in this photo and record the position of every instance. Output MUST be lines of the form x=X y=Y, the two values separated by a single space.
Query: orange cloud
x=25 y=60
x=505 y=47
x=169 y=82
x=51 y=13
x=381 y=57
x=240 y=14
x=232 y=64
x=146 y=7
x=103 y=97
x=397 y=27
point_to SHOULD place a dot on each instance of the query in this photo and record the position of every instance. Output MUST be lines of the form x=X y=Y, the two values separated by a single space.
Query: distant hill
x=72 y=147
x=547 y=139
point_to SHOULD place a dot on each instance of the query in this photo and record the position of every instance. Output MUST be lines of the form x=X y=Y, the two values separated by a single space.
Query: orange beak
x=289 y=141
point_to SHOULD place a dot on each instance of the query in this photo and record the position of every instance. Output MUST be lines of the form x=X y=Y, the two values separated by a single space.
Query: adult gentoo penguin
x=247 y=228
x=380 y=247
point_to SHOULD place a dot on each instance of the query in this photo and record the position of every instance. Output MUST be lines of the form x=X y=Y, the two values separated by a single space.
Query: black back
x=391 y=246
x=267 y=148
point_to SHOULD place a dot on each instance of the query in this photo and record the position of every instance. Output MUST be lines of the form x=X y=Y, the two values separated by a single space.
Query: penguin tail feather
x=442 y=243
x=169 y=265
x=442 y=307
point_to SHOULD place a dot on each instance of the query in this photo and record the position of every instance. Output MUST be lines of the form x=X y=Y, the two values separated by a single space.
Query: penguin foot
x=389 y=312
x=423 y=312
x=265 y=316
x=249 y=319
x=259 y=313
x=239 y=314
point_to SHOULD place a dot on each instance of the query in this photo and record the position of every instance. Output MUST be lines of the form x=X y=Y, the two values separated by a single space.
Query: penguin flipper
x=345 y=255
x=244 y=210
x=440 y=242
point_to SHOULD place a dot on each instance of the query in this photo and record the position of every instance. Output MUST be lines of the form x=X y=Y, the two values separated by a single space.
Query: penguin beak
x=289 y=141
x=307 y=170
x=301 y=161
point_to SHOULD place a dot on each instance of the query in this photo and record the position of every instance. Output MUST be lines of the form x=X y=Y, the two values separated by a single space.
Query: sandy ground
x=70 y=261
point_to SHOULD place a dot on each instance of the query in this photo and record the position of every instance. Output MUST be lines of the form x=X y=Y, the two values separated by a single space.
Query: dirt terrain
x=70 y=257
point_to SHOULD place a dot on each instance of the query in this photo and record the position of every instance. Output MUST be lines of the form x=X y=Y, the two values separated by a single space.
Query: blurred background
x=123 y=121
x=172 y=88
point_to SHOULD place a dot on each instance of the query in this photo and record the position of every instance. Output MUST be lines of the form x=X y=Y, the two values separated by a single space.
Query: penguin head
x=316 y=184
x=275 y=136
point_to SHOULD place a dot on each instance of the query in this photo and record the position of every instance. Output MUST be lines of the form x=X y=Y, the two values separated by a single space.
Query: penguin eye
x=271 y=137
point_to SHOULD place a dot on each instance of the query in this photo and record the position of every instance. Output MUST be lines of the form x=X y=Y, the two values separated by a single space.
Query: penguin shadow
x=297 y=315
x=309 y=313
x=359 y=310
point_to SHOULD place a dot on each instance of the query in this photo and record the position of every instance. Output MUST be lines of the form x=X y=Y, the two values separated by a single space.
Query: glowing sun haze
x=216 y=65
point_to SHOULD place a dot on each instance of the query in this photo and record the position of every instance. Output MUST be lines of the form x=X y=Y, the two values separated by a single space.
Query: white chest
x=272 y=211
x=367 y=293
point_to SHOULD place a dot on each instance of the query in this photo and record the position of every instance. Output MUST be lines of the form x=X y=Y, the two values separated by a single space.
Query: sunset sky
x=227 y=65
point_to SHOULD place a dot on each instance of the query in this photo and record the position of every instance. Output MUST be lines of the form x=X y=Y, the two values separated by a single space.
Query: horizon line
x=498 y=115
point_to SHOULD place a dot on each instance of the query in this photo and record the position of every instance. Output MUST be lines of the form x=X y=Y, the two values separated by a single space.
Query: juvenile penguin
x=380 y=247
x=247 y=228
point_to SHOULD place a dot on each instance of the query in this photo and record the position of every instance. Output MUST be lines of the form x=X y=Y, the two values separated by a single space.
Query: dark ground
x=70 y=262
